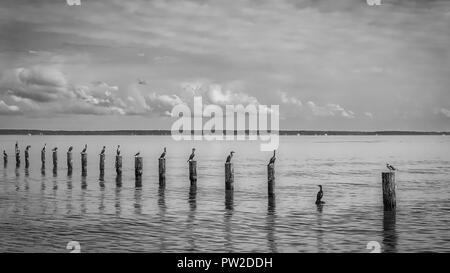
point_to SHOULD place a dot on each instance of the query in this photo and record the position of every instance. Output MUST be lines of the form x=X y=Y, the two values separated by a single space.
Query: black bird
x=137 y=154
x=55 y=149
x=17 y=146
x=229 y=157
x=5 y=154
x=103 y=150
x=390 y=167
x=27 y=148
x=45 y=146
x=85 y=149
x=118 y=150
x=192 y=155
x=70 y=149
x=319 y=196
x=273 y=158
x=163 y=155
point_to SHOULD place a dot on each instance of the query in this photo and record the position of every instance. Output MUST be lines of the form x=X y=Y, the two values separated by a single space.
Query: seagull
x=319 y=196
x=191 y=157
x=103 y=150
x=229 y=157
x=163 y=155
x=390 y=167
x=85 y=149
x=273 y=158
x=70 y=149
x=137 y=154
x=118 y=150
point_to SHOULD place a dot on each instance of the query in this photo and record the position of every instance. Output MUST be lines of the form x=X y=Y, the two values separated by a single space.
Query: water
x=43 y=212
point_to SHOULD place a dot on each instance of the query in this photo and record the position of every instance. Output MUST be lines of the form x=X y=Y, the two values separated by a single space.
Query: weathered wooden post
x=118 y=180
x=388 y=184
x=229 y=199
x=5 y=159
x=162 y=172
x=102 y=164
x=83 y=164
x=17 y=158
x=43 y=159
x=27 y=159
x=271 y=179
x=69 y=163
x=138 y=163
x=118 y=165
x=55 y=159
x=193 y=172
x=229 y=176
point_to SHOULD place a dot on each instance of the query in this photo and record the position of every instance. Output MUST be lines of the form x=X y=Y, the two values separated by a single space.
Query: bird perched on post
x=229 y=157
x=45 y=147
x=390 y=167
x=191 y=157
x=85 y=149
x=55 y=149
x=138 y=153
x=163 y=155
x=70 y=149
x=28 y=148
x=16 y=148
x=118 y=150
x=103 y=150
x=273 y=158
x=319 y=196
x=5 y=154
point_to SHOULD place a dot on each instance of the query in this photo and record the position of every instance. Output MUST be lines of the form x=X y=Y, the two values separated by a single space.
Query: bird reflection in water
x=389 y=232
x=270 y=224
x=228 y=214
x=191 y=217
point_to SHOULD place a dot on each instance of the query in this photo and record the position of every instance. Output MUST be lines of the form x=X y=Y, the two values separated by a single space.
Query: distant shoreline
x=167 y=132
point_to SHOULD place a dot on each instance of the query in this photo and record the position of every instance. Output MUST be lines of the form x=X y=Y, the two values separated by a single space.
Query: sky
x=329 y=65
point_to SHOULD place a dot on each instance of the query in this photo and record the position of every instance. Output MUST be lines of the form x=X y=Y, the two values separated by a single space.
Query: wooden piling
x=102 y=163
x=193 y=172
x=162 y=172
x=118 y=165
x=84 y=164
x=17 y=158
x=27 y=159
x=43 y=157
x=69 y=162
x=138 y=163
x=388 y=184
x=271 y=179
x=5 y=160
x=229 y=176
x=55 y=160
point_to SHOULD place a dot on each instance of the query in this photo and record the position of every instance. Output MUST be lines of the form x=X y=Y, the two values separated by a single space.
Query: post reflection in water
x=117 y=200
x=16 y=180
x=101 y=180
x=162 y=215
x=27 y=174
x=83 y=182
x=138 y=201
x=389 y=232
x=270 y=224
x=229 y=206
x=319 y=230
x=43 y=169
x=192 y=200
x=118 y=180
x=69 y=194
x=83 y=194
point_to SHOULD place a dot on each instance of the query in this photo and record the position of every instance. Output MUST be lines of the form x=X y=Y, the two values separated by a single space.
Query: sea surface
x=44 y=211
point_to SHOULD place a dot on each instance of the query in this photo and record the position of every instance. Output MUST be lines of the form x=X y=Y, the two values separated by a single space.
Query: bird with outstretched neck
x=191 y=157
x=45 y=147
x=390 y=167
x=137 y=154
x=85 y=149
x=319 y=196
x=163 y=155
x=273 y=158
x=70 y=149
x=103 y=150
x=229 y=157
x=55 y=149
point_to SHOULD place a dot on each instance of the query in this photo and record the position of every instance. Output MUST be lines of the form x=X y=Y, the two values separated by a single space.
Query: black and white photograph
x=233 y=127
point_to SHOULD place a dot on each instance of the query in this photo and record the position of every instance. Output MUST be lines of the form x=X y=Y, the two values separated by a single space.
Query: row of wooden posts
x=388 y=178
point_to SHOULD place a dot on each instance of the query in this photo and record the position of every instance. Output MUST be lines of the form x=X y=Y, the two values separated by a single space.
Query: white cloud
x=330 y=109
x=369 y=115
x=6 y=109
x=443 y=111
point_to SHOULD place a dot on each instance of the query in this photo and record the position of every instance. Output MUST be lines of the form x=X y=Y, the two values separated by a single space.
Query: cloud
x=330 y=109
x=286 y=99
x=369 y=115
x=6 y=109
x=443 y=111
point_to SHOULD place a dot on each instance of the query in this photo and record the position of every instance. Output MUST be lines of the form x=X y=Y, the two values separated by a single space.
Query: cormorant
x=85 y=149
x=390 y=167
x=27 y=148
x=229 y=157
x=103 y=150
x=55 y=149
x=118 y=150
x=17 y=146
x=273 y=158
x=163 y=155
x=70 y=149
x=192 y=155
x=5 y=154
x=137 y=154
x=319 y=196
x=45 y=146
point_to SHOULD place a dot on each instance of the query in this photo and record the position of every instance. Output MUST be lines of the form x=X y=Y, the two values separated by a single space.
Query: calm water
x=43 y=212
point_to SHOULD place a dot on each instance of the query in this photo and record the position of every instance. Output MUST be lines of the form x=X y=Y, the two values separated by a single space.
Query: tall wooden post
x=27 y=159
x=193 y=172
x=17 y=158
x=69 y=163
x=55 y=160
x=271 y=179
x=5 y=160
x=83 y=164
x=388 y=184
x=162 y=172
x=229 y=176
x=138 y=163
x=102 y=164
x=43 y=159
x=118 y=165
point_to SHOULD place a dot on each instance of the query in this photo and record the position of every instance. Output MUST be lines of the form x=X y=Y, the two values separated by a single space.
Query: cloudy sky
x=335 y=65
